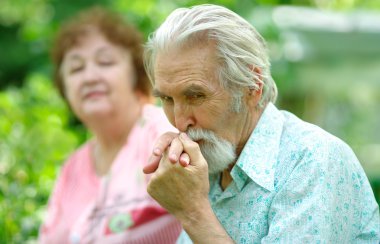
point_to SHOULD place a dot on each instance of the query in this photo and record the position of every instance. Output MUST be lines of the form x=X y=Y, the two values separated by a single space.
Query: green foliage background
x=37 y=131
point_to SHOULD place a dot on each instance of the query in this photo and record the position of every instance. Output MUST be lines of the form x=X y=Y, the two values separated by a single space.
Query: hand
x=170 y=141
x=181 y=190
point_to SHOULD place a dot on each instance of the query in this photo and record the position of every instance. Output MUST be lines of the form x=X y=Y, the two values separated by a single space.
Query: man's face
x=186 y=81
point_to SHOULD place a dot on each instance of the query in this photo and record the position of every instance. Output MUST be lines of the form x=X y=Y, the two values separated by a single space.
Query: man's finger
x=175 y=150
x=184 y=159
x=152 y=165
x=192 y=149
x=162 y=143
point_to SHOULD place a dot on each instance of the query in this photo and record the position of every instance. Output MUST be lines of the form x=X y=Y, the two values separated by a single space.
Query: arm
x=183 y=191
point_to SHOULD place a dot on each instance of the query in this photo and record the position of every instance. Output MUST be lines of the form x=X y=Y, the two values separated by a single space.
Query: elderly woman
x=100 y=195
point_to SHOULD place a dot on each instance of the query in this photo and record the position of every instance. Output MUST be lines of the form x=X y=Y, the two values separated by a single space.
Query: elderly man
x=240 y=170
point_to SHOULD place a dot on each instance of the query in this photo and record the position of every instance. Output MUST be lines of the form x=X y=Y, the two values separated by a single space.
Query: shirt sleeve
x=326 y=199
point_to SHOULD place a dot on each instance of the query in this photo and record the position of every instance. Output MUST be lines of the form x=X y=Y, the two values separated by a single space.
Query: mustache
x=202 y=134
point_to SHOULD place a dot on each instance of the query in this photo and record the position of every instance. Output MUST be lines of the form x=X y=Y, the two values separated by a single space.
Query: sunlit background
x=325 y=59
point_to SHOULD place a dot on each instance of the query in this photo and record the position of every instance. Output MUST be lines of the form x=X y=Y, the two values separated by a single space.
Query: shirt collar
x=259 y=154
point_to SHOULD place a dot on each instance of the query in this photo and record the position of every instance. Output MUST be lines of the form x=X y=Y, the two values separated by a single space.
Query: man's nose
x=183 y=118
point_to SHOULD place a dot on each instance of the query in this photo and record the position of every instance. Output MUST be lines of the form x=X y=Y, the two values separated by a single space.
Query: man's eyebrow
x=157 y=93
x=193 y=89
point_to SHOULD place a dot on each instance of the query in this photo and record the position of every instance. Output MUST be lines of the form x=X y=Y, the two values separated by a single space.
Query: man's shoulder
x=308 y=136
x=295 y=131
x=304 y=144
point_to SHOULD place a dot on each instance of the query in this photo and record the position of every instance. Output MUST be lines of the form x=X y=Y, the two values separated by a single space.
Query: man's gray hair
x=239 y=47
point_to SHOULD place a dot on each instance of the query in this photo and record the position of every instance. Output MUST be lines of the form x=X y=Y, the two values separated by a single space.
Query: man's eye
x=195 y=98
x=166 y=99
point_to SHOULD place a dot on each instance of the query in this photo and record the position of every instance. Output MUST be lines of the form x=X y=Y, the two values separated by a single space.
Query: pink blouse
x=115 y=208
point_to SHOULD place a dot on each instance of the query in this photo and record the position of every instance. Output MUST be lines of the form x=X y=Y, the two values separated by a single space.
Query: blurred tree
x=34 y=141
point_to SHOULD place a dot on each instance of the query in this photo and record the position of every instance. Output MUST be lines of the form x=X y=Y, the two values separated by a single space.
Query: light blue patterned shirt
x=295 y=183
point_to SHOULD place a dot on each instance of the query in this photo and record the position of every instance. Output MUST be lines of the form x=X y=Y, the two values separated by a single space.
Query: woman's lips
x=94 y=94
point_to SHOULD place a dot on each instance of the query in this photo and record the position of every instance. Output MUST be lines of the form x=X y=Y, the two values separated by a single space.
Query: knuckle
x=204 y=166
x=193 y=146
x=175 y=141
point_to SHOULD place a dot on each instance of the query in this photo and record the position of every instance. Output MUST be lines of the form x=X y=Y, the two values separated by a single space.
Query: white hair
x=239 y=48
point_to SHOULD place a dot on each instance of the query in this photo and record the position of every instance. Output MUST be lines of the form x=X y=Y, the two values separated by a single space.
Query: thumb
x=193 y=150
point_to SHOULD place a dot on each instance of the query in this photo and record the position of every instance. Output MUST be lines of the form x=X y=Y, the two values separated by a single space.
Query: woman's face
x=98 y=78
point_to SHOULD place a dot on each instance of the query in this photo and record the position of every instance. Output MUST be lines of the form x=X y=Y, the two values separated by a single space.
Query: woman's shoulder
x=153 y=112
x=153 y=116
x=79 y=158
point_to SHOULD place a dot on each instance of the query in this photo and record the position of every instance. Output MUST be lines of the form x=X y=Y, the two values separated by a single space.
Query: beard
x=218 y=152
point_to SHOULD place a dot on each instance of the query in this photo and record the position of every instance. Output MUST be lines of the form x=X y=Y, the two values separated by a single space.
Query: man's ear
x=254 y=94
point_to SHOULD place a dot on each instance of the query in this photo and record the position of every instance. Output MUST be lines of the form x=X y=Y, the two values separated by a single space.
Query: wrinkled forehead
x=186 y=71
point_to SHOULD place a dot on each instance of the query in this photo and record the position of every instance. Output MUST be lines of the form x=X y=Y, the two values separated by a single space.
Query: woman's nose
x=90 y=73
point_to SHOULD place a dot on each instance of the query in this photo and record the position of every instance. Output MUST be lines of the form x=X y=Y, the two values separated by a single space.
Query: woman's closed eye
x=76 y=68
x=106 y=61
